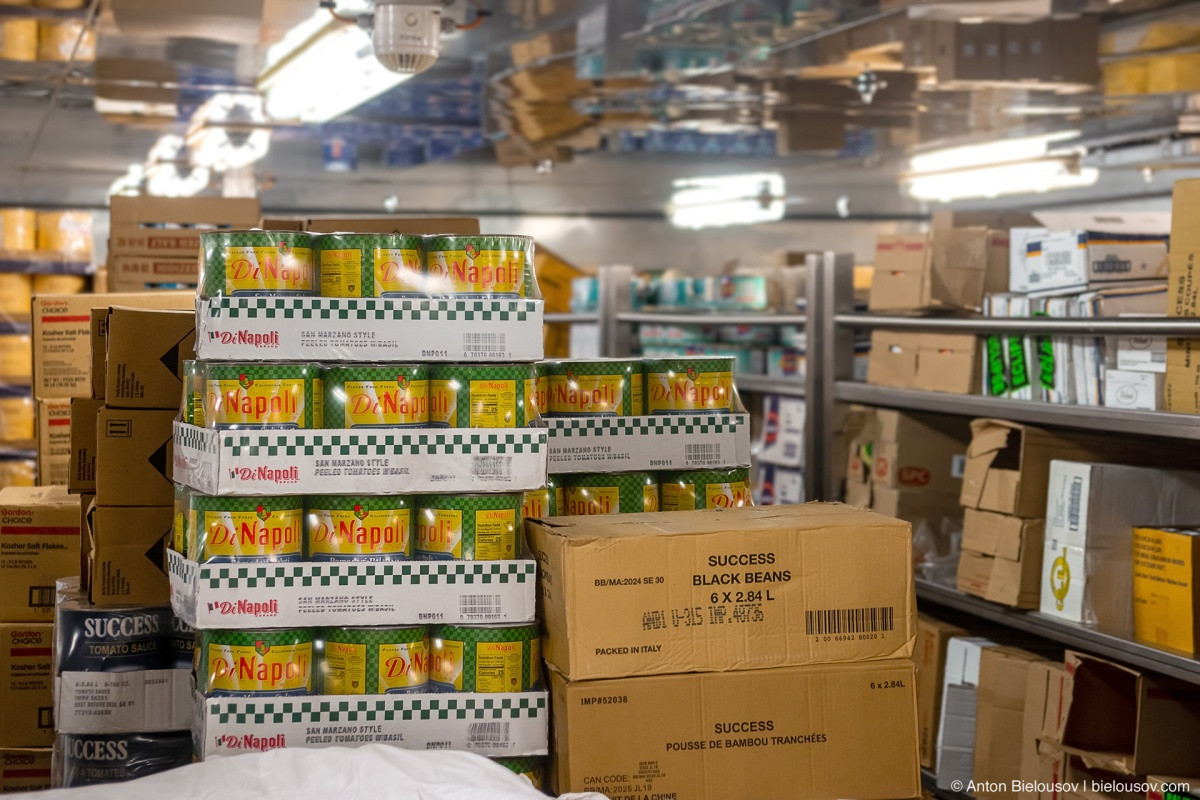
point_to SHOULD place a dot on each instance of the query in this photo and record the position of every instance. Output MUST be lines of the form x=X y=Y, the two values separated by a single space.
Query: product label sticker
x=345 y=668
x=493 y=404
x=587 y=394
x=341 y=273
x=260 y=270
x=593 y=500
x=678 y=497
x=498 y=666
x=536 y=504
x=727 y=495
x=650 y=497
x=495 y=534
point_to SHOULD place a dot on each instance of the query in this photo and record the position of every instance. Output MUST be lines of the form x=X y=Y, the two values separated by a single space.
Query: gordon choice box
x=379 y=460
x=497 y=724
x=139 y=701
x=625 y=444
x=369 y=329
x=39 y=543
x=747 y=588
x=303 y=594
x=833 y=730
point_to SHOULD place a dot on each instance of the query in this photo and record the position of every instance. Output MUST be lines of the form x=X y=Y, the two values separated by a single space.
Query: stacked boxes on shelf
x=39 y=541
x=779 y=459
x=153 y=241
x=350 y=510
x=756 y=640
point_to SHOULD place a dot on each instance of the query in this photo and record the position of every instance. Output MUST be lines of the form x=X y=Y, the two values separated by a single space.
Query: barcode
x=484 y=343
x=850 y=620
x=1158 y=358
x=488 y=732
x=1074 y=503
x=41 y=596
x=791 y=451
x=492 y=467
x=708 y=453
x=479 y=604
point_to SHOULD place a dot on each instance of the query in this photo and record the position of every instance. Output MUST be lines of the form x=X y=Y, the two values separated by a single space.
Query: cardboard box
x=228 y=726
x=1182 y=390
x=951 y=268
x=1002 y=558
x=1127 y=721
x=956 y=727
x=1142 y=354
x=744 y=590
x=933 y=637
x=902 y=263
x=1008 y=465
x=1044 y=686
x=1081 y=258
x=767 y=734
x=140 y=701
x=1133 y=391
x=460 y=226
x=1166 y=601
x=612 y=444
x=914 y=451
x=1087 y=570
x=216 y=462
x=25 y=769
x=145 y=355
x=54 y=441
x=1184 y=274
x=98 y=342
x=1000 y=720
x=212 y=596
x=334 y=329
x=26 y=684
x=81 y=477
x=142 y=273
x=936 y=362
x=62 y=355
x=543 y=46
x=927 y=511
x=128 y=555
x=86 y=502
x=39 y=543
x=1024 y=251
x=139 y=225
x=134 y=458
x=969 y=52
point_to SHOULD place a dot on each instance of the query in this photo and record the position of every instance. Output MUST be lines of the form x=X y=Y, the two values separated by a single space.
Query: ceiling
x=426 y=144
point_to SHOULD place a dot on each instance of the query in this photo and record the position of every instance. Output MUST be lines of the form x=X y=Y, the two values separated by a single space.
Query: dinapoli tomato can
x=689 y=385
x=375 y=660
x=271 y=263
x=370 y=265
x=485 y=658
x=246 y=529
x=249 y=395
x=352 y=528
x=248 y=663
x=376 y=396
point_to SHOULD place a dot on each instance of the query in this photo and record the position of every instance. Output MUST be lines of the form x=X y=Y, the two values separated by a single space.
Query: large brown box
x=143 y=273
x=25 y=769
x=133 y=457
x=846 y=730
x=39 y=543
x=935 y=362
x=127 y=563
x=62 y=333
x=1002 y=558
x=933 y=637
x=145 y=354
x=1182 y=391
x=748 y=588
x=53 y=441
x=950 y=268
x=1044 y=685
x=138 y=223
x=81 y=479
x=26 y=684
x=915 y=451
x=1000 y=719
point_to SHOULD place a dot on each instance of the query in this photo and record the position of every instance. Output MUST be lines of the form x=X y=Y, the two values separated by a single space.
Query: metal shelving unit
x=1090 y=326
x=765 y=384
x=572 y=318
x=702 y=318
x=1067 y=633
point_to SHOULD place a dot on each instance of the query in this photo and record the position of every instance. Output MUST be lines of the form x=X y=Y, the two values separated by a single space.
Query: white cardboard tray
x=629 y=444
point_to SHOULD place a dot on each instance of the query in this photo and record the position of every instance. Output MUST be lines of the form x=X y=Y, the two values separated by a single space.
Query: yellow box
x=1166 y=605
x=1178 y=73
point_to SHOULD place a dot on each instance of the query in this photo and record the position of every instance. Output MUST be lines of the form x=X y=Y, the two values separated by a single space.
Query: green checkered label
x=445 y=573
x=242 y=444
x=581 y=427
x=383 y=309
x=280 y=711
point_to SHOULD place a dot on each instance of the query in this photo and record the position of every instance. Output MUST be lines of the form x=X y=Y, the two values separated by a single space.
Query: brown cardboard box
x=766 y=734
x=1183 y=355
x=81 y=479
x=936 y=362
x=902 y=263
x=464 y=226
x=98 y=342
x=137 y=222
x=140 y=273
x=1166 y=597
x=749 y=588
x=146 y=351
x=26 y=684
x=1001 y=580
x=1181 y=391
x=133 y=457
x=39 y=543
x=1008 y=466
x=1043 y=693
x=1127 y=721
x=128 y=559
x=951 y=268
x=86 y=503
x=1000 y=719
x=25 y=769
x=933 y=636
x=916 y=451
x=62 y=355
x=54 y=441
x=927 y=512
x=1002 y=535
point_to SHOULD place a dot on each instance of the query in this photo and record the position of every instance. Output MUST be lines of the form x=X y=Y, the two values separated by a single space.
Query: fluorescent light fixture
x=727 y=200
x=229 y=132
x=130 y=183
x=321 y=69
x=1001 y=151
x=167 y=180
x=1031 y=177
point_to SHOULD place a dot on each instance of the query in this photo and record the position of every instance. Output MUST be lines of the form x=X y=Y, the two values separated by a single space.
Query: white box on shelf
x=1142 y=354
x=782 y=439
x=1134 y=391
x=369 y=329
x=1084 y=257
x=308 y=594
x=359 y=461
x=141 y=701
x=627 y=444
x=496 y=724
